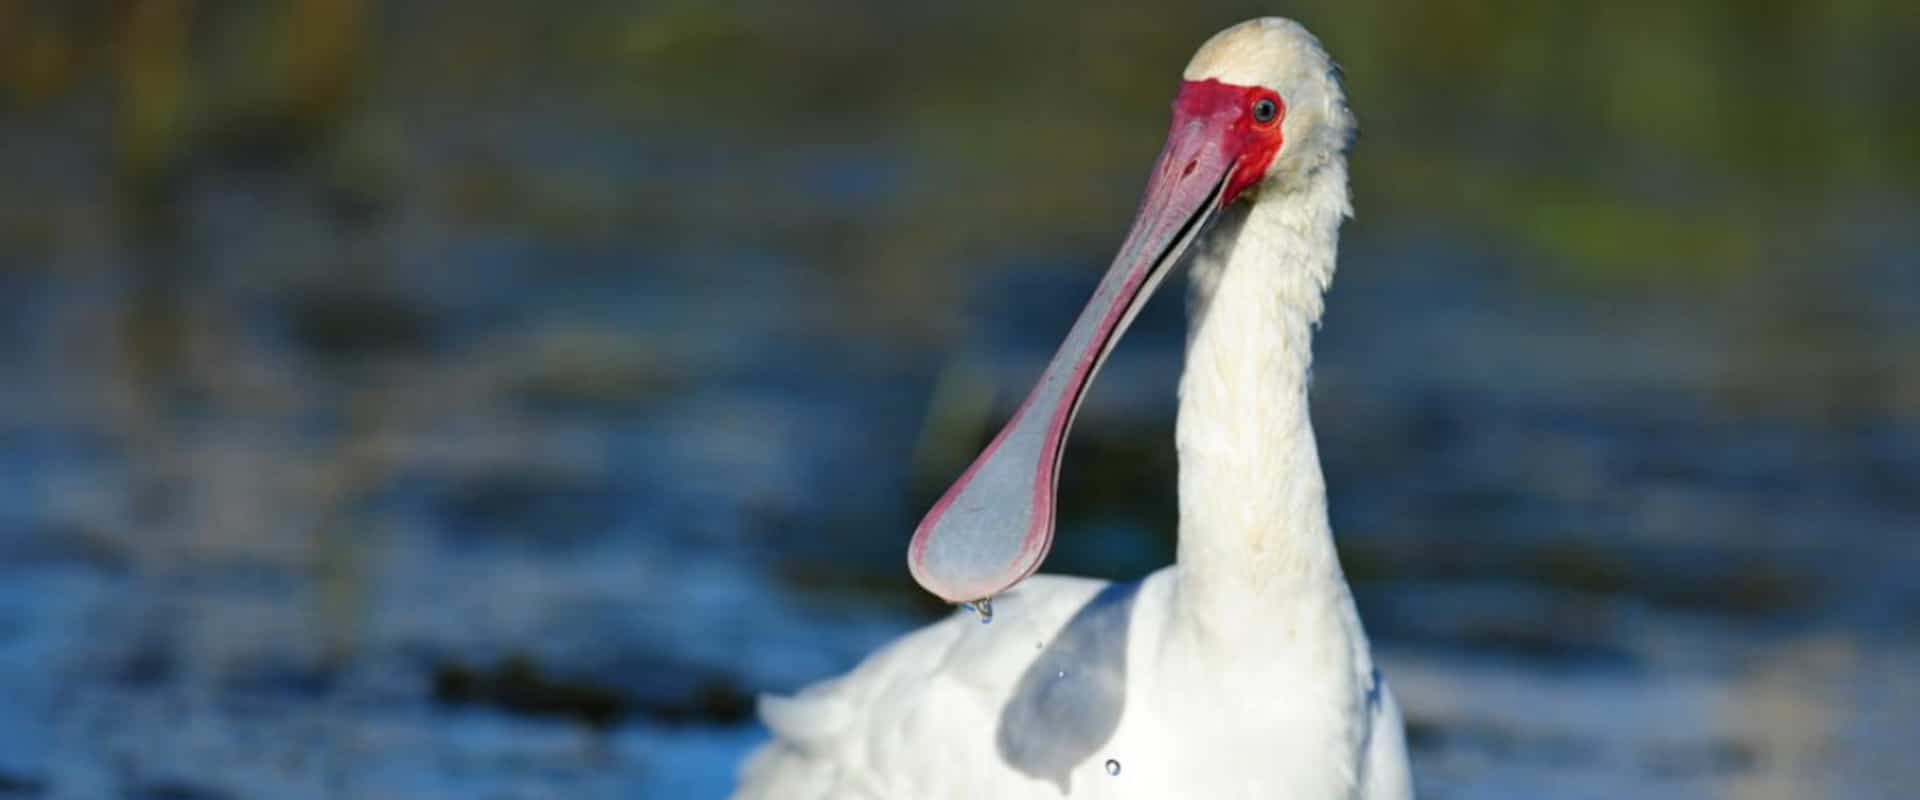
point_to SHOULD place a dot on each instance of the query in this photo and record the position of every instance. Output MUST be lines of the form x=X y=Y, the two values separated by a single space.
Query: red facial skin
x=1217 y=147
x=1255 y=142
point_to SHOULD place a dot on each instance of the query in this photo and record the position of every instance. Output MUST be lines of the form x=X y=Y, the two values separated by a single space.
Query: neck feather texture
x=1253 y=511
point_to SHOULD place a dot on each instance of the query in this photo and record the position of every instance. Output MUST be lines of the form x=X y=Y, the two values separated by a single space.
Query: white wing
x=916 y=719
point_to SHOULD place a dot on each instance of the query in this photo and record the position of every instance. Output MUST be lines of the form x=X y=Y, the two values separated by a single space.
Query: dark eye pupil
x=1263 y=110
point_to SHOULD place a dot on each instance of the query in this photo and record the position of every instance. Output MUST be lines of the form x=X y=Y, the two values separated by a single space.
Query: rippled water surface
x=500 y=429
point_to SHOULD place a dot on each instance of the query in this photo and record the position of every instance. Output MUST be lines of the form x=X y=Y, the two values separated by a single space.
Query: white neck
x=1254 y=538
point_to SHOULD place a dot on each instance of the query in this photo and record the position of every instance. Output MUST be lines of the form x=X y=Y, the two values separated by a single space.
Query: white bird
x=1241 y=670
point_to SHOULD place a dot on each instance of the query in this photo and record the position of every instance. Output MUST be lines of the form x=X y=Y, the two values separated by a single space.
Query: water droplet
x=1113 y=766
x=983 y=607
x=1063 y=673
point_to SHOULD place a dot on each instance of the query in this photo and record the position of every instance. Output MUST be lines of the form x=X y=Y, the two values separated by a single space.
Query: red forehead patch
x=1254 y=142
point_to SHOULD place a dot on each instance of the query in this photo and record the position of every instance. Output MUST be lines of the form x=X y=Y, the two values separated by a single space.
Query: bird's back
x=923 y=717
x=1067 y=693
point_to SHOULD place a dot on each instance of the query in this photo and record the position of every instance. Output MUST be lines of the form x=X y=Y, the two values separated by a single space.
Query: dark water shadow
x=1069 y=700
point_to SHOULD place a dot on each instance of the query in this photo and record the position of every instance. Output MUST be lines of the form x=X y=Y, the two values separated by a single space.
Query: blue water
x=525 y=481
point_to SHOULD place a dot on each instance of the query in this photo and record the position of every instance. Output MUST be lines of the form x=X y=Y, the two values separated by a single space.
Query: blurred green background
x=409 y=399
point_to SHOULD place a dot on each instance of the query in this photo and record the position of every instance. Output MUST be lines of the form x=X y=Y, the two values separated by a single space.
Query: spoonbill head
x=1242 y=670
x=1259 y=109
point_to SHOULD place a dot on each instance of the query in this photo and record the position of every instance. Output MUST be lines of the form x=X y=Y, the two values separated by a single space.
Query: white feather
x=1242 y=670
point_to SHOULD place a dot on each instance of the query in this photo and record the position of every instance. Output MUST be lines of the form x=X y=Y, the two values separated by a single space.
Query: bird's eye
x=1264 y=109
